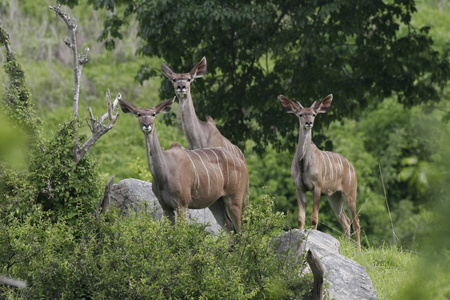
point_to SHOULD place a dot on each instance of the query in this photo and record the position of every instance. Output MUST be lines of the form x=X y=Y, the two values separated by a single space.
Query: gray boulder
x=138 y=195
x=344 y=278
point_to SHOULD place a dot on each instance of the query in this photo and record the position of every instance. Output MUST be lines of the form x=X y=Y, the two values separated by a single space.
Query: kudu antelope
x=321 y=172
x=198 y=133
x=208 y=177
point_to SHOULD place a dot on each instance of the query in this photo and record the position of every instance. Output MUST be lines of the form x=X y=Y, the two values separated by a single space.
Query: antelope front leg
x=170 y=214
x=182 y=212
x=315 y=210
x=234 y=207
x=301 y=199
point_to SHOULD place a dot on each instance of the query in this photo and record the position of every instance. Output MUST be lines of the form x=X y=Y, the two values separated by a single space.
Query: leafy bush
x=113 y=257
x=52 y=180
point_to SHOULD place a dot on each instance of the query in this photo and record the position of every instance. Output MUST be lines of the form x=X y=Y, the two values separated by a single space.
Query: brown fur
x=321 y=172
x=209 y=177
x=175 y=145
x=198 y=133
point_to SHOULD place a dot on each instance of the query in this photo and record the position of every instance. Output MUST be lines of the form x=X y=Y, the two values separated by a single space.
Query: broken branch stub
x=97 y=126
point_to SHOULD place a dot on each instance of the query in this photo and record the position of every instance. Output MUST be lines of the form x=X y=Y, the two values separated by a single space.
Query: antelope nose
x=308 y=124
x=181 y=87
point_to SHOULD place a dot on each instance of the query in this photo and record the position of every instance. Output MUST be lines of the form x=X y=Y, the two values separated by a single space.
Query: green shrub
x=114 y=257
x=62 y=185
x=52 y=180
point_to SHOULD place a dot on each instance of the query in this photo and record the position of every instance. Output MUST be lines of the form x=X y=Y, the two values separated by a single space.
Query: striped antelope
x=198 y=133
x=208 y=177
x=321 y=172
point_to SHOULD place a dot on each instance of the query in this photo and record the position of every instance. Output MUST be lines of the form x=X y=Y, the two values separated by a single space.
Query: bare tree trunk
x=97 y=127
x=77 y=61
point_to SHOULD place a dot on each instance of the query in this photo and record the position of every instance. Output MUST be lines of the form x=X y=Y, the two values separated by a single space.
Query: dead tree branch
x=97 y=126
x=13 y=282
x=78 y=61
x=318 y=272
x=103 y=206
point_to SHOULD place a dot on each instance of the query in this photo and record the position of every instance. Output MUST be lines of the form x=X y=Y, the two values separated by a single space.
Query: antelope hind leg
x=219 y=212
x=337 y=205
x=351 y=204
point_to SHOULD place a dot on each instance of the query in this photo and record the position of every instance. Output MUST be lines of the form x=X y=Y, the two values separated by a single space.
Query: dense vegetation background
x=399 y=148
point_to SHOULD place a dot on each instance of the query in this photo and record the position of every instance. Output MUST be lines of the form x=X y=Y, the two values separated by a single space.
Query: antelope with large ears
x=209 y=177
x=321 y=172
x=198 y=133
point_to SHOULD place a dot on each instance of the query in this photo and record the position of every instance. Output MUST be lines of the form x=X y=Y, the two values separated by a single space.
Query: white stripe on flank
x=207 y=173
x=226 y=158
x=220 y=168
x=340 y=165
x=350 y=173
x=210 y=164
x=331 y=165
x=229 y=146
x=234 y=163
x=234 y=149
x=195 y=169
x=325 y=165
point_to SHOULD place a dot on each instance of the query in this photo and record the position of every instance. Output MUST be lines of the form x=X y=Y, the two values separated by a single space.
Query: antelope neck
x=155 y=155
x=304 y=149
x=191 y=123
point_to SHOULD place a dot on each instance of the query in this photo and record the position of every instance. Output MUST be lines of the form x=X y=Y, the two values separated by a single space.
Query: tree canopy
x=360 y=51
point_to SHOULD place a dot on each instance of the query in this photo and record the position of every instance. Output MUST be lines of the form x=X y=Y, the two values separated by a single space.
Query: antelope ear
x=289 y=106
x=323 y=105
x=127 y=107
x=167 y=71
x=199 y=69
x=165 y=106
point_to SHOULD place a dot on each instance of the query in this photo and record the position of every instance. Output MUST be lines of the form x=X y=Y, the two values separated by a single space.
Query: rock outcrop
x=344 y=279
x=138 y=195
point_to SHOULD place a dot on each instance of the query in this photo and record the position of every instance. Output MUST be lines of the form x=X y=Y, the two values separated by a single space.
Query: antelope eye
x=153 y=114
x=314 y=115
x=189 y=80
x=138 y=115
x=174 y=80
x=300 y=115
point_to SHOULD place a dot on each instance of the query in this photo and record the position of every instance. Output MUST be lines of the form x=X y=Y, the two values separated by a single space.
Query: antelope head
x=182 y=81
x=306 y=115
x=146 y=116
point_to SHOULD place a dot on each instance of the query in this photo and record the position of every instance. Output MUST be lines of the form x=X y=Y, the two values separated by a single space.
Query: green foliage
x=387 y=266
x=271 y=175
x=48 y=175
x=431 y=276
x=12 y=143
x=259 y=49
x=141 y=168
x=139 y=258
x=392 y=149
x=17 y=102
x=52 y=180
x=63 y=186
